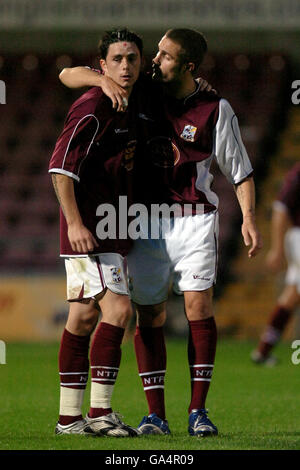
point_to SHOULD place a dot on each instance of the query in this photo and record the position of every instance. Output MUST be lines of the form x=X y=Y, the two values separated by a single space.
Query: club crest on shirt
x=163 y=152
x=116 y=274
x=188 y=133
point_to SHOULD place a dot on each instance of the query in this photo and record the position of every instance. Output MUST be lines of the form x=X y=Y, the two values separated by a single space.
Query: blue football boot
x=200 y=425
x=152 y=424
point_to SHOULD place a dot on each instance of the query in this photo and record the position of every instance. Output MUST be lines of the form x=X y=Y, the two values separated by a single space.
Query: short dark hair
x=193 y=45
x=117 y=35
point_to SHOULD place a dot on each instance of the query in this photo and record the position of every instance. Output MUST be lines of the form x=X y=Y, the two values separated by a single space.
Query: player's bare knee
x=196 y=310
x=118 y=312
x=125 y=315
x=89 y=321
x=198 y=304
x=85 y=324
x=83 y=317
x=124 y=306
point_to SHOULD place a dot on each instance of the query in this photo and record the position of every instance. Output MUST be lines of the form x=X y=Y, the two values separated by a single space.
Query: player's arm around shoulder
x=205 y=86
x=79 y=77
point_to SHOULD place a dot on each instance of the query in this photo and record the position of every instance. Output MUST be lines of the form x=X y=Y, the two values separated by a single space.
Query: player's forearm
x=245 y=193
x=64 y=189
x=78 y=77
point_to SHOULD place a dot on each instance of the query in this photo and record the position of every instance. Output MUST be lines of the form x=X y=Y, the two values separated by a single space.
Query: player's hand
x=251 y=236
x=117 y=94
x=274 y=261
x=81 y=239
x=204 y=85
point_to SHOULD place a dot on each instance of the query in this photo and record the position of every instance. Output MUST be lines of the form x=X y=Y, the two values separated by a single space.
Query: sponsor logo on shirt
x=188 y=133
x=198 y=276
x=121 y=131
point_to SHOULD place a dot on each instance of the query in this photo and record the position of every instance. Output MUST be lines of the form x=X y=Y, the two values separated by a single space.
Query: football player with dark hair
x=91 y=165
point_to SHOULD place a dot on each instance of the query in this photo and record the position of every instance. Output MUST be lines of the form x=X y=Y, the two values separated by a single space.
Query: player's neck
x=128 y=90
x=182 y=89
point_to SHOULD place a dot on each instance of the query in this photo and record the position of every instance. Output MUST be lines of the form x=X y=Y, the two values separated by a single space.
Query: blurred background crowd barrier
x=253 y=58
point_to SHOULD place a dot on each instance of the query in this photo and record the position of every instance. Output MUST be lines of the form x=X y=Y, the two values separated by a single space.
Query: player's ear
x=102 y=63
x=190 y=67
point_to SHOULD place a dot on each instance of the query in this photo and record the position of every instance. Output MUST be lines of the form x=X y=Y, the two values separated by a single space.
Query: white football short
x=88 y=276
x=292 y=251
x=185 y=255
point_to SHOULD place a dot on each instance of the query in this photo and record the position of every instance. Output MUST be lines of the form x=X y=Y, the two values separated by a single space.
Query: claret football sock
x=105 y=360
x=73 y=371
x=96 y=412
x=151 y=357
x=201 y=355
x=277 y=322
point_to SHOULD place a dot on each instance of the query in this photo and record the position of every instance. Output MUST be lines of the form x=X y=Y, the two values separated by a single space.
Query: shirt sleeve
x=74 y=143
x=229 y=149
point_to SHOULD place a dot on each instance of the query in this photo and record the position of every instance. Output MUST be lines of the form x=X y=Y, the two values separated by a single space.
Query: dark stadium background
x=253 y=59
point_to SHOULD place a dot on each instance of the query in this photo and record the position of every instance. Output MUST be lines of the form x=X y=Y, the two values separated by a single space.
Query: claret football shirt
x=98 y=148
x=202 y=127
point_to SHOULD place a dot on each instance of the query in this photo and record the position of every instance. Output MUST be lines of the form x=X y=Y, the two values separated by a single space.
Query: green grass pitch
x=254 y=407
